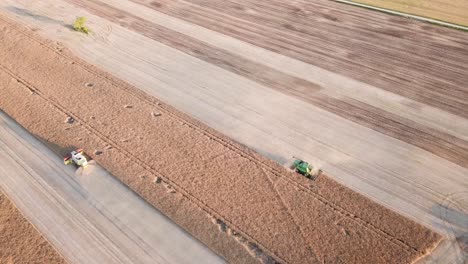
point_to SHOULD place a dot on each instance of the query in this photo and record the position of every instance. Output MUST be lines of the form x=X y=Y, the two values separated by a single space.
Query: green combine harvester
x=304 y=168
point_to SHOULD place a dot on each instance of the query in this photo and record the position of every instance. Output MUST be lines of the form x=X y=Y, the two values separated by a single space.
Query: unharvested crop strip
x=293 y=218
x=17 y=230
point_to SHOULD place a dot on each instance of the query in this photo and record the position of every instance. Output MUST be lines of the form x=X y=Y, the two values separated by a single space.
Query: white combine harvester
x=77 y=158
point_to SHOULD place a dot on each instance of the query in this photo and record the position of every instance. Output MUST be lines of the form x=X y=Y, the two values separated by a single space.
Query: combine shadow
x=279 y=159
x=59 y=150
x=455 y=224
x=26 y=13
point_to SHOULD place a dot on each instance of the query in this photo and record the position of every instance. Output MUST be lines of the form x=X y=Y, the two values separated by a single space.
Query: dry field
x=453 y=11
x=19 y=240
x=378 y=101
x=195 y=175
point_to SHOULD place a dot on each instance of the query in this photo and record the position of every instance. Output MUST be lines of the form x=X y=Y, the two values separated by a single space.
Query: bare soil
x=235 y=201
x=20 y=242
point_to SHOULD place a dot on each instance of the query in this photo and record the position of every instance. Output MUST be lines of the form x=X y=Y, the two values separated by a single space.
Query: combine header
x=77 y=157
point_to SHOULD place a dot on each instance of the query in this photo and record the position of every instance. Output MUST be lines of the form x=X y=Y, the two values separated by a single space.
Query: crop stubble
x=211 y=175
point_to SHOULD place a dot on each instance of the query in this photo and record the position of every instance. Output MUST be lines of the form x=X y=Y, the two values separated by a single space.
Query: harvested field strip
x=449 y=11
x=437 y=142
x=334 y=36
x=20 y=242
x=240 y=188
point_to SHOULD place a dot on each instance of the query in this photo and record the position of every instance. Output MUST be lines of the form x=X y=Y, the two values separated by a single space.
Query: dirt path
x=139 y=138
x=20 y=242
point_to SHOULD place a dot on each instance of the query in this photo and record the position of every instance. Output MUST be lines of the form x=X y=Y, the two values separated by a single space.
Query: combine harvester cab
x=77 y=157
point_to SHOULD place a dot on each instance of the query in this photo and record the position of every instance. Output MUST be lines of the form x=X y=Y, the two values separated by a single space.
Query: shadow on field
x=454 y=212
x=27 y=13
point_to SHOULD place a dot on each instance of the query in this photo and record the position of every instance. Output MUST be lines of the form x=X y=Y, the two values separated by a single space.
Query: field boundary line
x=407 y=15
